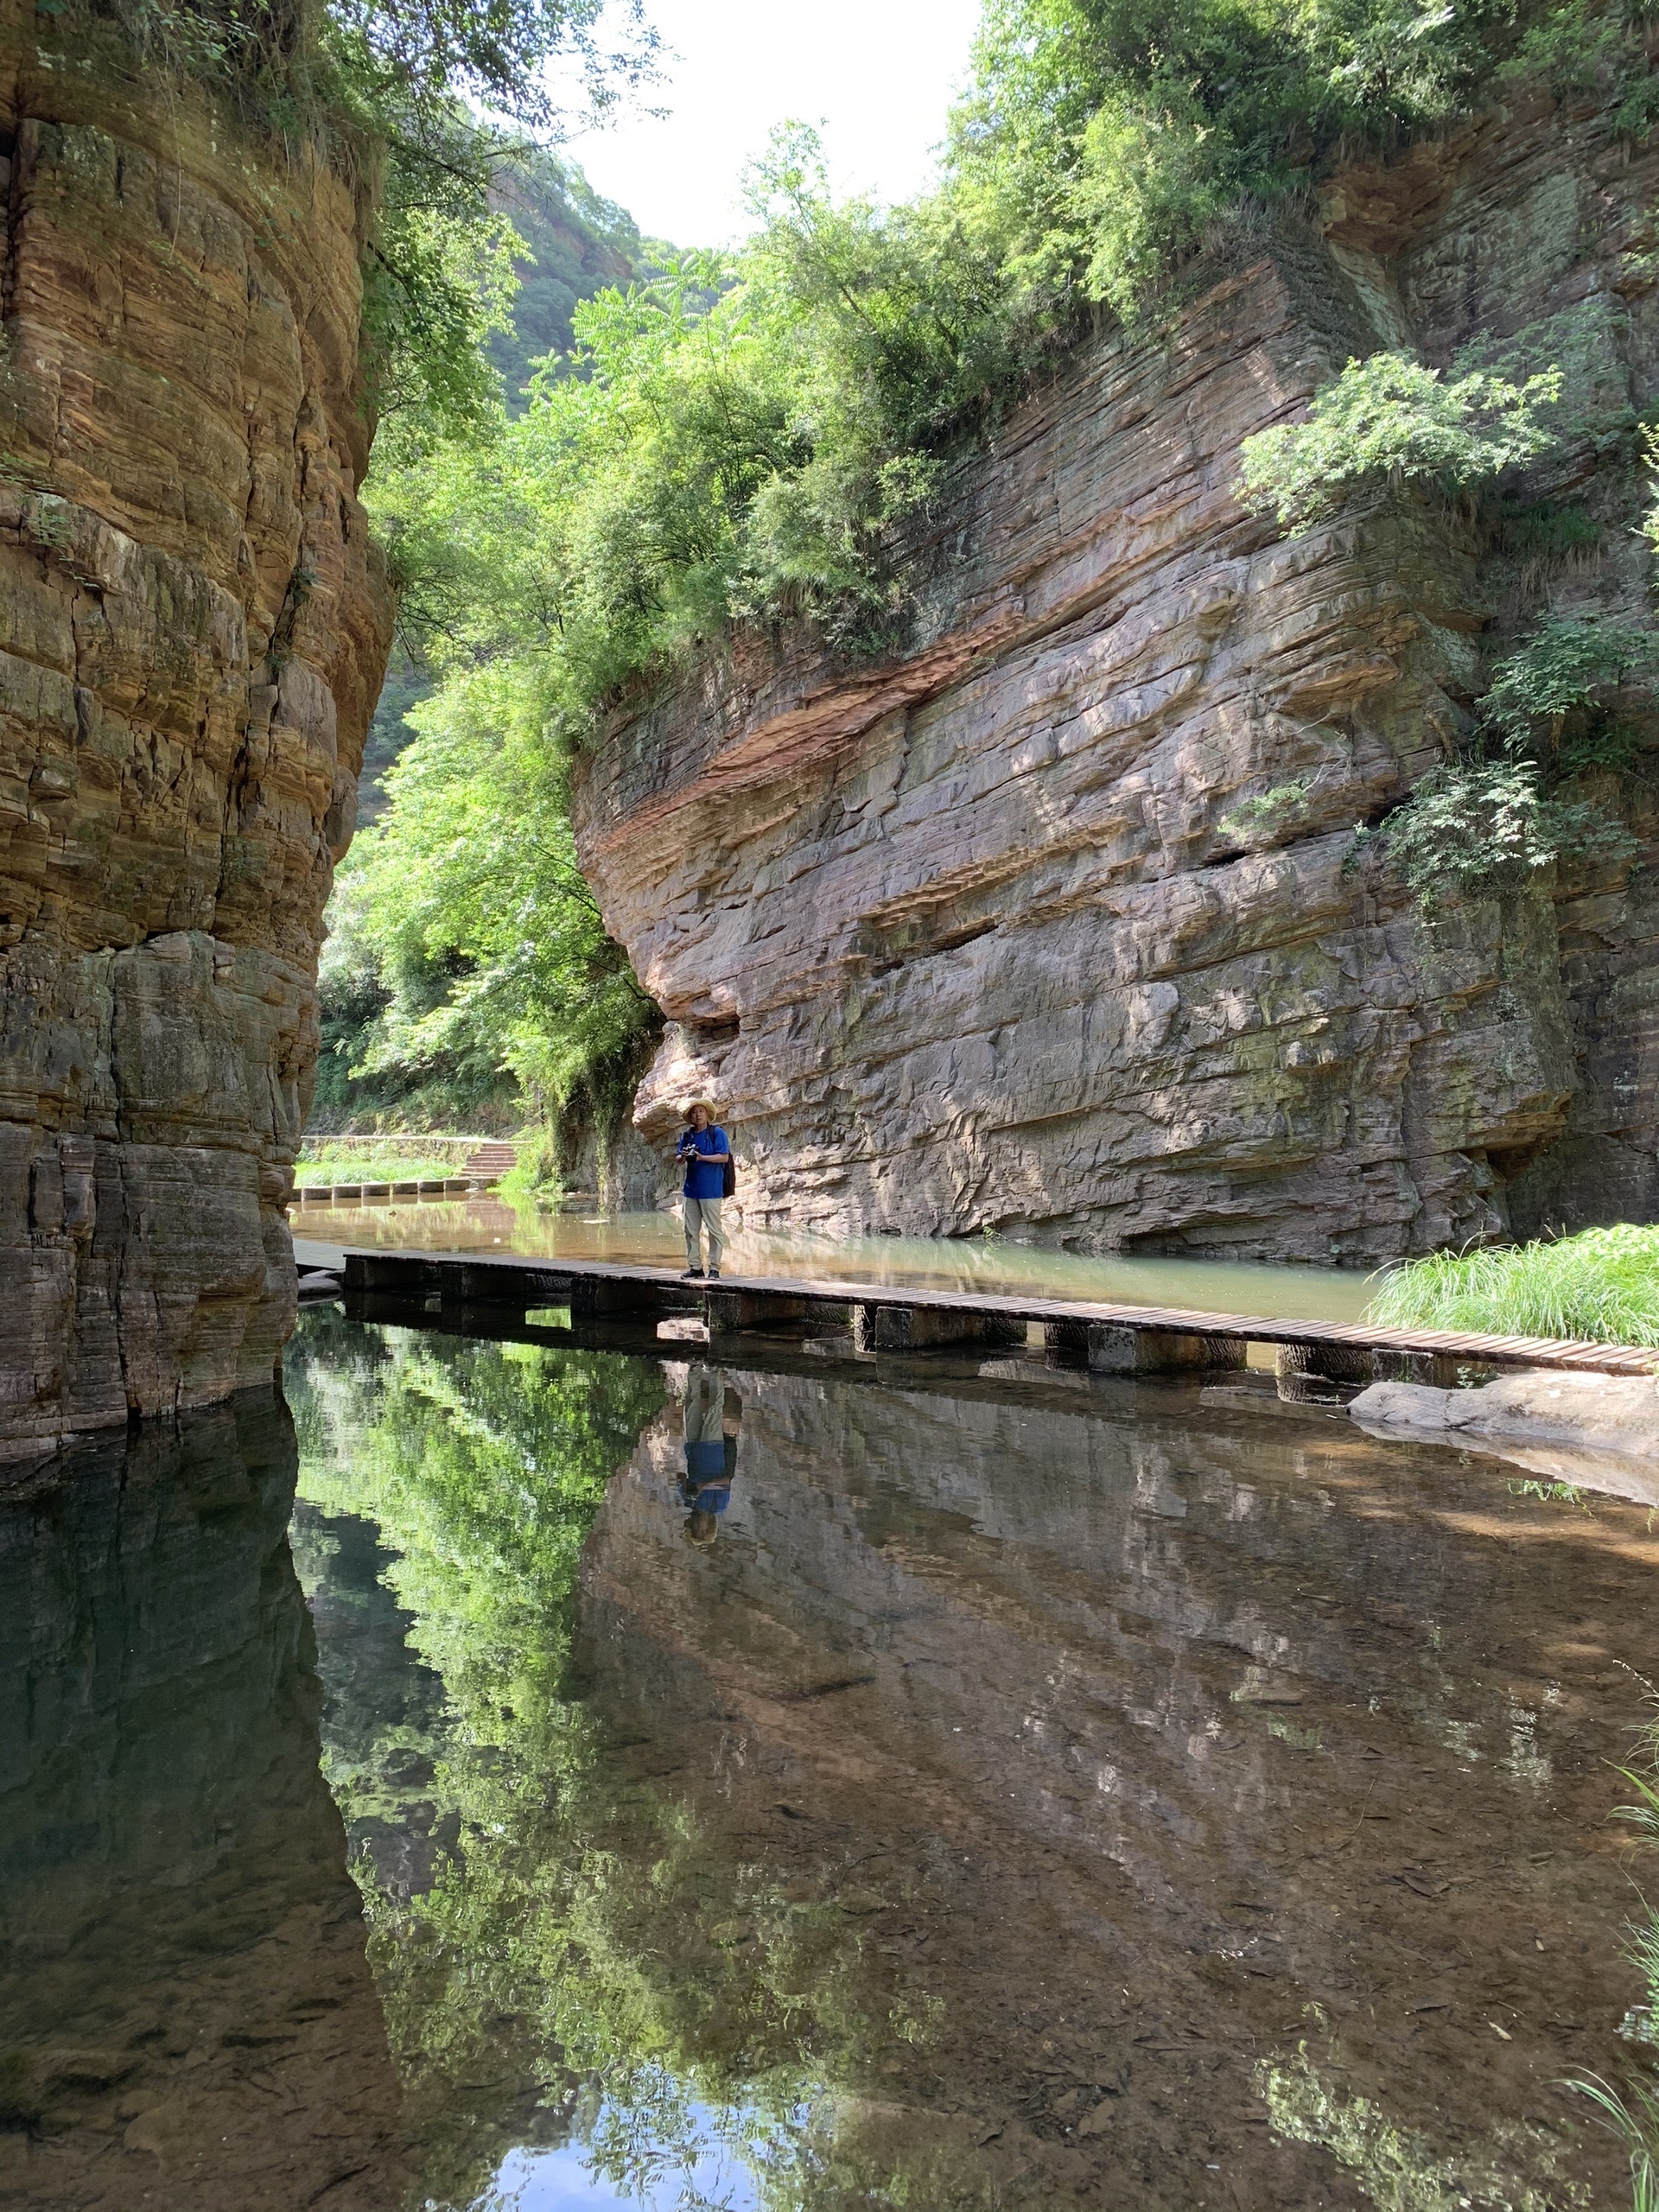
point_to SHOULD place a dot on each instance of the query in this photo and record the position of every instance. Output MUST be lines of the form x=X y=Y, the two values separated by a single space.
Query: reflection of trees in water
x=929 y=1830
x=579 y=1959
x=482 y=1467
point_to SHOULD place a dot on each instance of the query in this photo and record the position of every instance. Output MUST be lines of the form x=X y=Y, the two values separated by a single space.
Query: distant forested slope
x=578 y=243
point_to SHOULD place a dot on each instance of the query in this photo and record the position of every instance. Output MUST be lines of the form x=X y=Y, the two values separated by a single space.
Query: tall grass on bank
x=1602 y=1285
x=1632 y=2110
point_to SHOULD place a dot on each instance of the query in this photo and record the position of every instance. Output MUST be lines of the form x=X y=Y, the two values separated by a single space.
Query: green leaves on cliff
x=407 y=100
x=758 y=436
x=465 y=936
x=1390 y=421
x=1559 y=707
x=1109 y=135
x=754 y=432
x=1477 y=825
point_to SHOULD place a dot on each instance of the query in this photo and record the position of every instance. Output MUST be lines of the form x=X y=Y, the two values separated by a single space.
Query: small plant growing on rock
x=1258 y=817
x=1476 y=826
x=1558 y=705
x=1391 y=421
x=1564 y=694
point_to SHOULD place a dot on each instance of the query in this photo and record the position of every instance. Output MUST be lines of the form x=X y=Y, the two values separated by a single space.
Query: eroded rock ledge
x=972 y=940
x=193 y=629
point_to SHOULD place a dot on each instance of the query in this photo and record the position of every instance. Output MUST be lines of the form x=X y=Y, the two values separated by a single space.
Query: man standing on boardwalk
x=707 y=1156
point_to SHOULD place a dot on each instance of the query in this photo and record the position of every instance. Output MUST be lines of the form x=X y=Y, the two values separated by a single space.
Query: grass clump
x=1632 y=2109
x=1602 y=1285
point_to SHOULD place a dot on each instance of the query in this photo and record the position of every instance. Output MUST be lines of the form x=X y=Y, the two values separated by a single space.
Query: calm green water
x=490 y=1224
x=559 y=1777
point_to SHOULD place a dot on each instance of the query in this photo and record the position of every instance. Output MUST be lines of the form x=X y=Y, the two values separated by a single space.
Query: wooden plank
x=371 y=1268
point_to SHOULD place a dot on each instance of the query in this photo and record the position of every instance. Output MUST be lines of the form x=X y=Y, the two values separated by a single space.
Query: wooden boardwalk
x=894 y=1317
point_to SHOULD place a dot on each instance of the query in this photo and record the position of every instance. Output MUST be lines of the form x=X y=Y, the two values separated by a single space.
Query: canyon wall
x=193 y=629
x=977 y=937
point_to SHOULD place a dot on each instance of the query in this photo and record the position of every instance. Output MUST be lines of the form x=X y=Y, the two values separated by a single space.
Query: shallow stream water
x=966 y=1263
x=563 y=1776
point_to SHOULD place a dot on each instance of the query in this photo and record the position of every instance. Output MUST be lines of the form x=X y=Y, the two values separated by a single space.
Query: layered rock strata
x=1057 y=925
x=190 y=2017
x=193 y=628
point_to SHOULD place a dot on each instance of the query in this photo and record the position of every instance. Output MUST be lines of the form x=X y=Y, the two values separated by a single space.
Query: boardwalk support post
x=397 y=1274
x=917 y=1328
x=1114 y=1351
x=1323 y=1374
x=1438 y=1370
x=596 y=1297
x=730 y=1311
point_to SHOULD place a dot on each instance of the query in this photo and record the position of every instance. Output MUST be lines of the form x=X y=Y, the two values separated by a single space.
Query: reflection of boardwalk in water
x=1159 y=1771
x=189 y=2021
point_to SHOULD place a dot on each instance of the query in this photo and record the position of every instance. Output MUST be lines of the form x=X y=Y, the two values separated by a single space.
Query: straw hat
x=706 y=1104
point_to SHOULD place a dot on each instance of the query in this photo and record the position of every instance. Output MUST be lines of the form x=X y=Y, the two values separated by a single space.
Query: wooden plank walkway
x=895 y=1316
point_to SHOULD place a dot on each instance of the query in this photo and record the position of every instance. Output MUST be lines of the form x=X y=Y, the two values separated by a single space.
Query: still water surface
x=615 y=1780
x=990 y=1264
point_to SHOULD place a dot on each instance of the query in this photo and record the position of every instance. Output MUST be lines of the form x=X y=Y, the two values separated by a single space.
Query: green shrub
x=1602 y=1285
x=1541 y=529
x=1475 y=826
x=1562 y=695
x=1556 y=706
x=325 y=1164
x=537 y=1170
x=484 y=951
x=1390 y=421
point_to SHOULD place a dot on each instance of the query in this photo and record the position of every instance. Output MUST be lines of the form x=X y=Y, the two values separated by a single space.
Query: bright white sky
x=875 y=77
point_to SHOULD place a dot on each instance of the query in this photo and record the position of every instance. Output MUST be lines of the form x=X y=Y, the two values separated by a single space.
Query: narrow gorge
x=1056 y=925
x=1058 y=916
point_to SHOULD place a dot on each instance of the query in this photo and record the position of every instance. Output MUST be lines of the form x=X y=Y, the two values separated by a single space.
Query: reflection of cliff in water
x=187 y=2019
x=1129 y=1804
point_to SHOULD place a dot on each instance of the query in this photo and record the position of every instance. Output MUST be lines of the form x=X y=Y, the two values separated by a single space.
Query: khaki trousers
x=703 y=1214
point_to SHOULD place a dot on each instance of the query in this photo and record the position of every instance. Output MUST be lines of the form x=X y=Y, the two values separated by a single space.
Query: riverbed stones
x=1602 y=1413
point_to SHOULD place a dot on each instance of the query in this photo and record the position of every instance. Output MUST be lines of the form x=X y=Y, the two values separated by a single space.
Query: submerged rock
x=1609 y=1424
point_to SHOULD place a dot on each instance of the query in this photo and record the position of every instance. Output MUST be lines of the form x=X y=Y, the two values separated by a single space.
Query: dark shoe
x=692 y=1275
x=713 y=1274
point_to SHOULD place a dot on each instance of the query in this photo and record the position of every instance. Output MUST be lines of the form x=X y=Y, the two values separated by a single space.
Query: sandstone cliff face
x=969 y=941
x=193 y=628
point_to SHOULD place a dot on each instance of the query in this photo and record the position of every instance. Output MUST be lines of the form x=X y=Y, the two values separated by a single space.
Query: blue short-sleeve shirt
x=706 y=1179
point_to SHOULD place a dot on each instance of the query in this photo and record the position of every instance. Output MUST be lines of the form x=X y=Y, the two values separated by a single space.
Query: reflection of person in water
x=711 y=1412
